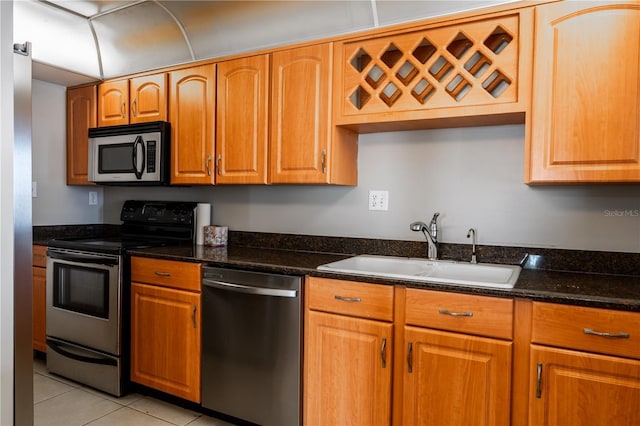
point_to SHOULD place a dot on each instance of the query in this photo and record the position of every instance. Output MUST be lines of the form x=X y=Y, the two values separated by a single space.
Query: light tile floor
x=60 y=402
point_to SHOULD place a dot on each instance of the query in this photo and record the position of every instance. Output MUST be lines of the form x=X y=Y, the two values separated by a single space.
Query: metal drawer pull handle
x=323 y=161
x=162 y=274
x=410 y=358
x=539 y=381
x=207 y=165
x=383 y=352
x=193 y=315
x=455 y=314
x=605 y=334
x=348 y=299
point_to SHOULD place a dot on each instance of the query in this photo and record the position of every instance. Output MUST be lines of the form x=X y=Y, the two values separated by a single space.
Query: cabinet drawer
x=464 y=313
x=40 y=256
x=591 y=329
x=167 y=273
x=350 y=298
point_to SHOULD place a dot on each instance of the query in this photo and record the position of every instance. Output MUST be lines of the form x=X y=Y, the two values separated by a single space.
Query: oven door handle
x=58 y=348
x=78 y=258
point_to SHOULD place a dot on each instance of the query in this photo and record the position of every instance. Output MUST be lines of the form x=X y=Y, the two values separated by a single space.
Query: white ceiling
x=78 y=41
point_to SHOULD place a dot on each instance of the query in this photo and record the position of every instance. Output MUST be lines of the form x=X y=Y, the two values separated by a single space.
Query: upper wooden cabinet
x=113 y=103
x=585 y=118
x=242 y=121
x=305 y=146
x=81 y=115
x=473 y=71
x=192 y=115
x=136 y=100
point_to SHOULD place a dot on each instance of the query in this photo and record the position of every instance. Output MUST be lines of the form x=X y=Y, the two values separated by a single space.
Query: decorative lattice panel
x=460 y=65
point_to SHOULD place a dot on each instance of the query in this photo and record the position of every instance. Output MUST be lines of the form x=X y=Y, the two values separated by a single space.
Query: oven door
x=84 y=299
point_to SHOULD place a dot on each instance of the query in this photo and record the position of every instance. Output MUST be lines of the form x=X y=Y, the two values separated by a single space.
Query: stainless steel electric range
x=87 y=292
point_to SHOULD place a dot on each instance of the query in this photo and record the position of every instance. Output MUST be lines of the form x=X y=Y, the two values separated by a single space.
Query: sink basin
x=437 y=271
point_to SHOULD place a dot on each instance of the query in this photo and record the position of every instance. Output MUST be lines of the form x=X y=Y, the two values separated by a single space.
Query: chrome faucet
x=473 y=244
x=431 y=234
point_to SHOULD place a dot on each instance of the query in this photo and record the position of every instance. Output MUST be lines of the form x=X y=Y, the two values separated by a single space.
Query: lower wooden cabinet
x=579 y=388
x=455 y=379
x=457 y=359
x=348 y=353
x=348 y=371
x=39 y=281
x=165 y=327
x=370 y=352
x=584 y=366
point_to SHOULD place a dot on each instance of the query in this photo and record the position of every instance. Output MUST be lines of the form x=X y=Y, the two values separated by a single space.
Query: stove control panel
x=161 y=212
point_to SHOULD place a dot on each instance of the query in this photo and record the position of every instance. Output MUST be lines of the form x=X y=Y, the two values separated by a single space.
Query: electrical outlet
x=93 y=198
x=34 y=189
x=379 y=200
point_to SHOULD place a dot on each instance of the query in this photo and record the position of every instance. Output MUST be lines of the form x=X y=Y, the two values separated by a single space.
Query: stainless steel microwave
x=133 y=154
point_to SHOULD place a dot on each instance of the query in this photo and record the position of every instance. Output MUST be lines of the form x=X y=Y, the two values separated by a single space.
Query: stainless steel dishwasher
x=251 y=345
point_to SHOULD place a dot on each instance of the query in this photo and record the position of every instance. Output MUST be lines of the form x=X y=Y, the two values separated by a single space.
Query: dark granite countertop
x=598 y=279
x=621 y=292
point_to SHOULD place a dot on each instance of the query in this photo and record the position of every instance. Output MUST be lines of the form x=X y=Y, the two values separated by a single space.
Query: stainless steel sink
x=437 y=271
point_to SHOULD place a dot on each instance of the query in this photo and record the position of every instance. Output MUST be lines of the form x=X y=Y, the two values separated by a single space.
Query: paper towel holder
x=203 y=218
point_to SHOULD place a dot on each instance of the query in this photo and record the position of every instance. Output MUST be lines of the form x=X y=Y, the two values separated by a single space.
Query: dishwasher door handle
x=240 y=288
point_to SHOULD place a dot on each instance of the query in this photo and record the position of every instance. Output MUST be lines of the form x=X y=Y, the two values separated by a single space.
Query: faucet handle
x=435 y=217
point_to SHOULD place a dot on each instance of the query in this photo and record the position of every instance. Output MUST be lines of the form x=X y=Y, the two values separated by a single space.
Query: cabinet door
x=455 y=379
x=81 y=115
x=39 y=309
x=192 y=117
x=113 y=103
x=242 y=134
x=300 y=119
x=585 y=118
x=578 y=388
x=347 y=371
x=165 y=340
x=148 y=98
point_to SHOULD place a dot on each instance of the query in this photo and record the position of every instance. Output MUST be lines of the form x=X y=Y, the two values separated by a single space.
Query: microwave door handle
x=137 y=172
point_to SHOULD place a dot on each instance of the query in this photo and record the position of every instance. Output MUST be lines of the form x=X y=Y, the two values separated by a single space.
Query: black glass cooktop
x=112 y=245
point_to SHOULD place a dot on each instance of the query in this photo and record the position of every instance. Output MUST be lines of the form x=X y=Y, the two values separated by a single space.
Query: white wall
x=472 y=176
x=56 y=203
